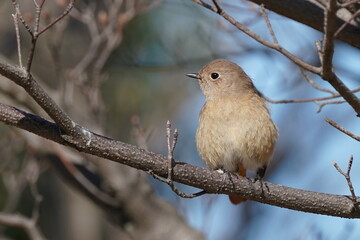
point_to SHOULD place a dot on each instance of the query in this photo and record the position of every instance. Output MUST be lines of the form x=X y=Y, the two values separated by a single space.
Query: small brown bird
x=235 y=129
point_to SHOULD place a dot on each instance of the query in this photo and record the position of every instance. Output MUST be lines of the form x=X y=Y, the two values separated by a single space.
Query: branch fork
x=171 y=164
x=348 y=180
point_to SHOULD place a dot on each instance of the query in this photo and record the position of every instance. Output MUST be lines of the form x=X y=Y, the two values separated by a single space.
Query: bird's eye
x=214 y=76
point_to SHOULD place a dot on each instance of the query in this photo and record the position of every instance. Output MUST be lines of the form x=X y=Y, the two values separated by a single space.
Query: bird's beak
x=193 y=75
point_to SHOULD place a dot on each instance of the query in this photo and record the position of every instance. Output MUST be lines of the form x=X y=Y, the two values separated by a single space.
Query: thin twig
x=348 y=179
x=257 y=38
x=31 y=56
x=140 y=134
x=323 y=104
x=312 y=83
x=268 y=24
x=170 y=155
x=347 y=23
x=66 y=12
x=335 y=125
x=17 y=32
x=72 y=173
x=175 y=189
x=17 y=10
x=345 y=92
x=34 y=36
x=308 y=99
x=38 y=10
x=170 y=158
x=319 y=51
x=346 y=4
x=38 y=199
x=36 y=33
x=218 y=8
x=325 y=71
x=22 y=222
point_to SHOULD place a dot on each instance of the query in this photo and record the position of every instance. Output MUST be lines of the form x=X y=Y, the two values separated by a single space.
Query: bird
x=235 y=130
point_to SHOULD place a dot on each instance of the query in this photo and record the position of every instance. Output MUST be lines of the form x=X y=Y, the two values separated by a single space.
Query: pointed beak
x=193 y=75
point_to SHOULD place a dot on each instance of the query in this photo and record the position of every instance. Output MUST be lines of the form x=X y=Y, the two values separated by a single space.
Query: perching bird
x=235 y=129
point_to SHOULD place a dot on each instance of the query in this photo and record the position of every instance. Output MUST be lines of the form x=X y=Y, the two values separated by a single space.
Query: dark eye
x=214 y=75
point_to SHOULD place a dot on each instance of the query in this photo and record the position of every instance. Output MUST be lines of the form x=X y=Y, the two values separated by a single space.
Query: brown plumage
x=235 y=129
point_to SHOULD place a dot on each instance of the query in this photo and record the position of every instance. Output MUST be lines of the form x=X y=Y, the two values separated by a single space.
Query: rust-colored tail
x=235 y=199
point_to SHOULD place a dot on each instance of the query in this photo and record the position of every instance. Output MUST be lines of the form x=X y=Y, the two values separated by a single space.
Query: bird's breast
x=234 y=130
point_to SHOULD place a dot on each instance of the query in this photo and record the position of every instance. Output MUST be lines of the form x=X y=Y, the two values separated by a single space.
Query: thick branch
x=210 y=181
x=328 y=41
x=30 y=85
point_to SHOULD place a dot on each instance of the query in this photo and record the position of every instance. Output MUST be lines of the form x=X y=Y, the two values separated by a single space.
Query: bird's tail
x=235 y=199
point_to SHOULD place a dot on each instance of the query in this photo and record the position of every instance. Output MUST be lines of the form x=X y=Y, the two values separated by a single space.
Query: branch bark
x=210 y=181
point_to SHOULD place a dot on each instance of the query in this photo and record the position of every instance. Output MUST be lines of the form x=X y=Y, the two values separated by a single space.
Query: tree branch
x=341 y=129
x=171 y=163
x=328 y=41
x=257 y=38
x=31 y=86
x=326 y=53
x=28 y=225
x=310 y=13
x=210 y=181
x=348 y=180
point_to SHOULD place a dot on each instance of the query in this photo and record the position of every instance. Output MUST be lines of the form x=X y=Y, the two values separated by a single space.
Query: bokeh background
x=146 y=78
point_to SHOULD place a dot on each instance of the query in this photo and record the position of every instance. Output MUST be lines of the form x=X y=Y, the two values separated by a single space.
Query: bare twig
x=15 y=184
x=311 y=99
x=357 y=13
x=348 y=3
x=38 y=9
x=268 y=24
x=31 y=86
x=174 y=188
x=35 y=33
x=217 y=9
x=323 y=104
x=17 y=32
x=140 y=134
x=348 y=179
x=34 y=36
x=325 y=71
x=345 y=92
x=22 y=222
x=17 y=11
x=319 y=51
x=327 y=53
x=217 y=6
x=91 y=190
x=335 y=125
x=170 y=157
x=312 y=83
x=66 y=12
x=171 y=148
x=32 y=180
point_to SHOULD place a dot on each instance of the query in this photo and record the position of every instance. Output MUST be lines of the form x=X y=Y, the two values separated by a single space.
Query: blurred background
x=143 y=75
